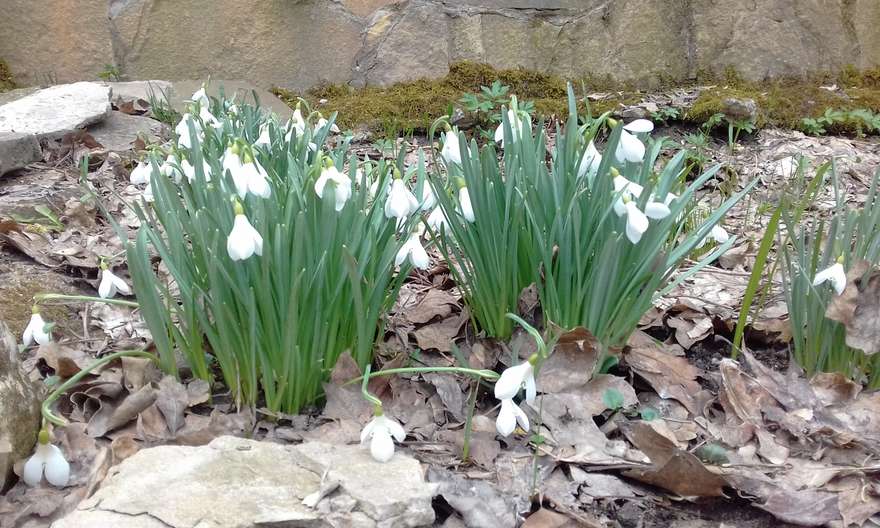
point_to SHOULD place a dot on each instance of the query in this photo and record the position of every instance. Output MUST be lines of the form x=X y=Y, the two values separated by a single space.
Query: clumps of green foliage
x=412 y=106
x=6 y=81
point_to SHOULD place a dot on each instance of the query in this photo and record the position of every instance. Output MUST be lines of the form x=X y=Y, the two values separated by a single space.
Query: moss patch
x=6 y=81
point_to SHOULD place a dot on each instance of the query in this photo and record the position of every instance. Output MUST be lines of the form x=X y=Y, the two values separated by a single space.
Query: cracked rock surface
x=54 y=111
x=234 y=482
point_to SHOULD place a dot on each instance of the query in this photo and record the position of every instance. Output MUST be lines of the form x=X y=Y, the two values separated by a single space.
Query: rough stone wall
x=300 y=43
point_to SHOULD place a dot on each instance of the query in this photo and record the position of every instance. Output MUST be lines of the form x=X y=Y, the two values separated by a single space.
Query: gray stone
x=18 y=150
x=26 y=191
x=54 y=111
x=19 y=407
x=233 y=482
x=133 y=90
x=739 y=109
x=119 y=130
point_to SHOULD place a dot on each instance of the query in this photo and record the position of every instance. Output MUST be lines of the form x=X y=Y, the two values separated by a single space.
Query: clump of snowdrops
x=262 y=253
x=815 y=266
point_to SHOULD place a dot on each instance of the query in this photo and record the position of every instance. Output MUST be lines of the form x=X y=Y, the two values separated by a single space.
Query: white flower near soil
x=506 y=388
x=142 y=173
x=323 y=122
x=190 y=172
x=381 y=433
x=183 y=130
x=170 y=169
x=590 y=161
x=509 y=416
x=208 y=118
x=451 y=151
x=47 y=460
x=629 y=148
x=148 y=193
x=637 y=220
x=516 y=126
x=110 y=284
x=200 y=96
x=296 y=123
x=247 y=173
x=264 y=138
x=429 y=200
x=243 y=241
x=835 y=274
x=719 y=234
x=639 y=126
x=340 y=184
x=464 y=203
x=401 y=202
x=437 y=220
x=413 y=251
x=35 y=331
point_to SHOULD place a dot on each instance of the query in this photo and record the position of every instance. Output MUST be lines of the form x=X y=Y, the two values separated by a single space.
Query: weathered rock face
x=17 y=150
x=233 y=482
x=19 y=407
x=56 y=110
x=304 y=43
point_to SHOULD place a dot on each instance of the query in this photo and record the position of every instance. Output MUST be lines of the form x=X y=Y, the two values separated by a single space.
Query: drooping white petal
x=243 y=241
x=35 y=331
x=257 y=179
x=190 y=172
x=719 y=234
x=340 y=182
x=464 y=200
x=367 y=431
x=32 y=473
x=201 y=97
x=141 y=174
x=632 y=188
x=106 y=288
x=512 y=379
x=656 y=210
x=394 y=428
x=381 y=445
x=417 y=254
x=636 y=222
x=428 y=198
x=56 y=467
x=120 y=285
x=499 y=134
x=629 y=148
x=531 y=389
x=451 y=150
x=590 y=161
x=437 y=220
x=400 y=201
x=835 y=274
x=639 y=126
x=509 y=415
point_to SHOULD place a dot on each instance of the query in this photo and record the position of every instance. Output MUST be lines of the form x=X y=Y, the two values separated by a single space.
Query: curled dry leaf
x=572 y=362
x=436 y=303
x=64 y=360
x=112 y=416
x=670 y=376
x=858 y=308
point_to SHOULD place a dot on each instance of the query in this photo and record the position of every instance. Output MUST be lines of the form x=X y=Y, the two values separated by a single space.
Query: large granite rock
x=17 y=150
x=233 y=482
x=54 y=111
x=118 y=132
x=19 y=407
x=301 y=44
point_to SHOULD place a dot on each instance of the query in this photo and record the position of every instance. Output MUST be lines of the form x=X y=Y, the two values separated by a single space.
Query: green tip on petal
x=328 y=161
x=460 y=183
x=612 y=122
x=43 y=437
x=104 y=265
x=35 y=309
x=239 y=210
x=840 y=259
x=396 y=173
x=614 y=172
x=533 y=359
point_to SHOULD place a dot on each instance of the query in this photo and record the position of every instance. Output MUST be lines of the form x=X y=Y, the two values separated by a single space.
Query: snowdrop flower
x=200 y=96
x=142 y=173
x=400 y=202
x=381 y=433
x=264 y=138
x=629 y=148
x=111 y=284
x=297 y=123
x=639 y=126
x=637 y=221
x=169 y=168
x=437 y=220
x=429 y=201
x=509 y=415
x=835 y=274
x=323 y=122
x=590 y=161
x=464 y=202
x=47 y=460
x=190 y=172
x=208 y=118
x=451 y=151
x=182 y=130
x=247 y=173
x=148 y=193
x=36 y=330
x=631 y=188
x=340 y=183
x=719 y=234
x=516 y=126
x=413 y=251
x=516 y=377
x=243 y=241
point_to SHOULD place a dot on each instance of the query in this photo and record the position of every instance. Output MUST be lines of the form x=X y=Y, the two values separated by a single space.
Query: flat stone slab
x=234 y=482
x=54 y=111
x=119 y=130
x=18 y=150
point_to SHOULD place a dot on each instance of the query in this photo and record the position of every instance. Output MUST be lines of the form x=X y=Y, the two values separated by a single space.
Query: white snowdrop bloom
x=170 y=168
x=429 y=201
x=190 y=172
x=182 y=130
x=590 y=161
x=629 y=187
x=401 y=202
x=509 y=415
x=47 y=460
x=264 y=138
x=381 y=433
x=513 y=379
x=142 y=173
x=516 y=126
x=834 y=274
x=243 y=241
x=296 y=123
x=147 y=195
x=451 y=151
x=629 y=148
x=111 y=284
x=637 y=220
x=323 y=122
x=639 y=126
x=719 y=234
x=413 y=251
x=437 y=220
x=340 y=183
x=36 y=331
x=247 y=173
x=200 y=96
x=207 y=117
x=464 y=201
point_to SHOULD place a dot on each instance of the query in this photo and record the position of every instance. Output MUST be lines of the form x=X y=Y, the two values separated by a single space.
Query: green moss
x=6 y=81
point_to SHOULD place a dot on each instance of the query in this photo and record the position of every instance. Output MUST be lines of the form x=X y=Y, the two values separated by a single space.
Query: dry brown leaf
x=802 y=507
x=833 y=387
x=858 y=308
x=670 y=376
x=572 y=362
x=746 y=397
x=440 y=335
x=673 y=469
x=198 y=392
x=450 y=393
x=172 y=400
x=65 y=361
x=112 y=416
x=690 y=327
x=436 y=303
x=34 y=245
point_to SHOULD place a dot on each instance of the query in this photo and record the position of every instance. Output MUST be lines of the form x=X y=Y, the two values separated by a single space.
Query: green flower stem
x=488 y=374
x=40 y=297
x=49 y=416
x=469 y=422
x=367 y=396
